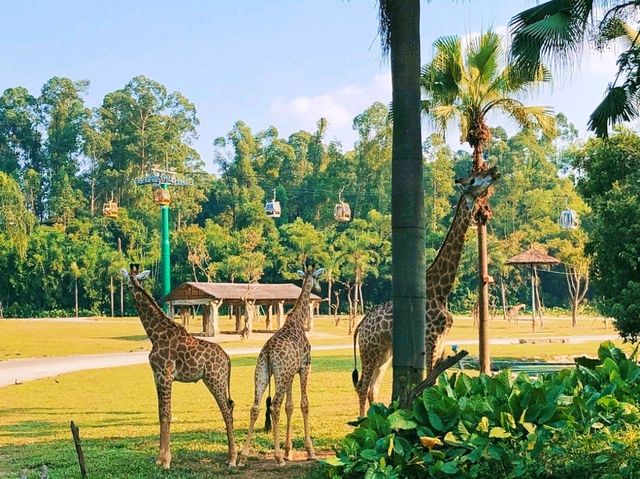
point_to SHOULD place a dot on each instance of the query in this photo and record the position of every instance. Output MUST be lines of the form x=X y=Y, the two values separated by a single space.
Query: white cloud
x=339 y=106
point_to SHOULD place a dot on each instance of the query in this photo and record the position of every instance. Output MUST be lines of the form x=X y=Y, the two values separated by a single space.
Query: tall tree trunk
x=329 y=288
x=407 y=199
x=483 y=273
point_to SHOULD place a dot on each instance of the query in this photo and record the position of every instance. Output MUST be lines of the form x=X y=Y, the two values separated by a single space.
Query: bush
x=502 y=426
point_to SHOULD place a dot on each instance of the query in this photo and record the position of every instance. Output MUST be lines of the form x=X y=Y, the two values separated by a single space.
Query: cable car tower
x=161 y=180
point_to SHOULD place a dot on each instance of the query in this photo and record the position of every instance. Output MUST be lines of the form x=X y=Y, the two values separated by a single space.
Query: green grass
x=25 y=339
x=116 y=410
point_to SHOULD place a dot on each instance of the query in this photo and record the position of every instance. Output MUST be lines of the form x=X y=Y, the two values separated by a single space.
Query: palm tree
x=555 y=30
x=400 y=35
x=464 y=83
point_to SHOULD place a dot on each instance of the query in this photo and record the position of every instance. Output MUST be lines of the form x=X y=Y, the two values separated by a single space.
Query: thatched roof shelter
x=532 y=257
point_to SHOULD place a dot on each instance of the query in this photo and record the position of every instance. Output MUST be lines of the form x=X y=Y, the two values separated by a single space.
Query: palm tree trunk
x=407 y=198
x=483 y=276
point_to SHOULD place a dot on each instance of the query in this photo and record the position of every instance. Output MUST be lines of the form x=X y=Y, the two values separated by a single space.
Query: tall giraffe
x=177 y=356
x=374 y=333
x=284 y=355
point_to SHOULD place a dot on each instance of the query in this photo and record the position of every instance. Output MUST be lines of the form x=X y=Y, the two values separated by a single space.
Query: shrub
x=501 y=426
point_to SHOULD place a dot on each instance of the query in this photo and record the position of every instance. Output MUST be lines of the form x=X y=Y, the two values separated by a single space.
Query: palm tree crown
x=556 y=30
x=465 y=81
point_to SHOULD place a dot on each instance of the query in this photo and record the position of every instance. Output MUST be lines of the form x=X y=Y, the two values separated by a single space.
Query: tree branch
x=440 y=367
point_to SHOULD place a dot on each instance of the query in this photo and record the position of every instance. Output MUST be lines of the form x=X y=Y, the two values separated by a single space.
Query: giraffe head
x=133 y=276
x=311 y=274
x=478 y=183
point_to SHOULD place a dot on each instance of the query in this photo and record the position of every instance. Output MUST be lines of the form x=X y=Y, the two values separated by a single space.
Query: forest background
x=62 y=160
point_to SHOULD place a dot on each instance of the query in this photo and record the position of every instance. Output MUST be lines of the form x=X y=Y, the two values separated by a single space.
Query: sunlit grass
x=24 y=339
x=116 y=410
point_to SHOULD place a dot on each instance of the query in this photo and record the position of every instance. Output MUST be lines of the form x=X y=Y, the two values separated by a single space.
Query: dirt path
x=16 y=371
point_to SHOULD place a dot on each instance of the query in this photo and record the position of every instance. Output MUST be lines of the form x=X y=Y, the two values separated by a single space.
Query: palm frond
x=616 y=106
x=484 y=53
x=551 y=31
x=528 y=116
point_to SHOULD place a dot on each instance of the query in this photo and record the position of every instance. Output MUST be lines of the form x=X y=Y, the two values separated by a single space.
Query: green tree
x=463 y=84
x=611 y=187
x=556 y=30
x=16 y=222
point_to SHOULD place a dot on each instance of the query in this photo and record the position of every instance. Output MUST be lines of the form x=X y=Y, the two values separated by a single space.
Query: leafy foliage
x=501 y=426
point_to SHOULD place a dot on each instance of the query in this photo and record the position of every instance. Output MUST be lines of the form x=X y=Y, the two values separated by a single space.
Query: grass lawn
x=42 y=338
x=116 y=410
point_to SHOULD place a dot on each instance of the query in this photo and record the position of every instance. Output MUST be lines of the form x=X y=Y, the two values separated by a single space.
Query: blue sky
x=278 y=62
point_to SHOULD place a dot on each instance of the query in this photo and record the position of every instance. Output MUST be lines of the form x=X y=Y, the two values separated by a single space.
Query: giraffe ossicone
x=177 y=356
x=374 y=333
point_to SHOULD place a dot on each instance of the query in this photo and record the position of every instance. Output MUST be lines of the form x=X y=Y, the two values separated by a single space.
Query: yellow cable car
x=110 y=209
x=342 y=211
x=161 y=197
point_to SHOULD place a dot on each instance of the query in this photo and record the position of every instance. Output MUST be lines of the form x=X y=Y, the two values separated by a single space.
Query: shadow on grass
x=134 y=337
x=195 y=455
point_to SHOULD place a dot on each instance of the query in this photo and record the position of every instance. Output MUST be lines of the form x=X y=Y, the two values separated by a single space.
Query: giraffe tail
x=267 y=419
x=230 y=401
x=354 y=374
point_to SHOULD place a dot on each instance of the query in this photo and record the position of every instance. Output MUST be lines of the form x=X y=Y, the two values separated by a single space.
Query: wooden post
x=75 y=431
x=533 y=302
x=237 y=313
x=249 y=314
x=311 y=311
x=206 y=320
x=280 y=317
x=215 y=317
x=269 y=315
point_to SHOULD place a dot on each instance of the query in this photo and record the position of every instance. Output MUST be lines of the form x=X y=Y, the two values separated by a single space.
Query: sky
x=279 y=62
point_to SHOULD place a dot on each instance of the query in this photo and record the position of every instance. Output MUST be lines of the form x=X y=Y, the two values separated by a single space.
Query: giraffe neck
x=300 y=310
x=442 y=272
x=153 y=318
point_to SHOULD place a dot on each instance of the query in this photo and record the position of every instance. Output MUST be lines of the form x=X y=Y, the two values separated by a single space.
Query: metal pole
x=165 y=266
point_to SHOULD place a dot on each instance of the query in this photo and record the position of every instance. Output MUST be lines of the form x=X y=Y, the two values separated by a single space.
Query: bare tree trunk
x=111 y=291
x=76 y=296
x=503 y=293
x=361 y=299
x=329 y=288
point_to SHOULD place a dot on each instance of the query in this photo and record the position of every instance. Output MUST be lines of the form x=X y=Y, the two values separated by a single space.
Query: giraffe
x=374 y=333
x=177 y=356
x=284 y=355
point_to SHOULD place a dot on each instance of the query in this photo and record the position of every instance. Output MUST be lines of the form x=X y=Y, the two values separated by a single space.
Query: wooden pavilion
x=243 y=297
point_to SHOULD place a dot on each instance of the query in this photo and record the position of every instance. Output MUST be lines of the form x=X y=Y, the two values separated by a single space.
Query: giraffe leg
x=220 y=390
x=163 y=388
x=379 y=375
x=288 y=407
x=281 y=388
x=370 y=364
x=304 y=407
x=261 y=382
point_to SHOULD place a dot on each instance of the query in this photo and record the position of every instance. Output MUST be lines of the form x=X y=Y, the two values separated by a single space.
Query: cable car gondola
x=110 y=209
x=342 y=210
x=568 y=217
x=161 y=197
x=272 y=208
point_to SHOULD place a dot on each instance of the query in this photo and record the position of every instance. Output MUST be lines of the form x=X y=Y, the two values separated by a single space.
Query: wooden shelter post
x=280 y=317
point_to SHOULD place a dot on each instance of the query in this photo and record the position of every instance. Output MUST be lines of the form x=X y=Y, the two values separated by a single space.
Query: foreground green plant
x=499 y=426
